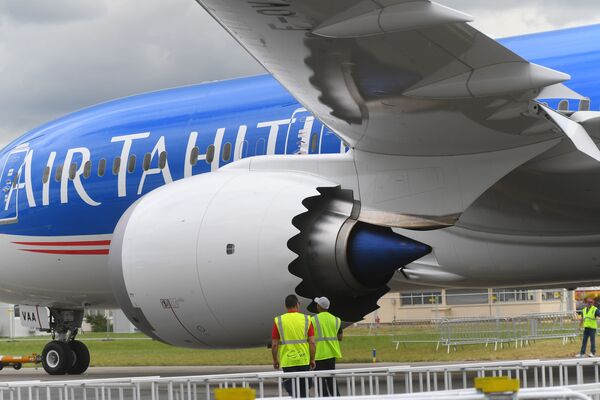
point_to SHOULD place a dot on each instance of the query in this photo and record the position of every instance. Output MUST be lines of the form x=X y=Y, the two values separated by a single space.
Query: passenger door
x=10 y=180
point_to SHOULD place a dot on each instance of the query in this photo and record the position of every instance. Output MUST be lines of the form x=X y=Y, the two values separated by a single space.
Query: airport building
x=457 y=303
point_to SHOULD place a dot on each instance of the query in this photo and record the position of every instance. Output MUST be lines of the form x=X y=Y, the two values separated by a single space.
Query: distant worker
x=589 y=323
x=293 y=344
x=328 y=337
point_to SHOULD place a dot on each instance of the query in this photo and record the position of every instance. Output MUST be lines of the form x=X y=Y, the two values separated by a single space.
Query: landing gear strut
x=64 y=354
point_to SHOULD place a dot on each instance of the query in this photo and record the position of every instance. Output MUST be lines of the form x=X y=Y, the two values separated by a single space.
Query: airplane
x=392 y=146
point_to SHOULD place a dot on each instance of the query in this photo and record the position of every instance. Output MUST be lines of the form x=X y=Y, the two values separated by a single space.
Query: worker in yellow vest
x=589 y=323
x=327 y=337
x=293 y=345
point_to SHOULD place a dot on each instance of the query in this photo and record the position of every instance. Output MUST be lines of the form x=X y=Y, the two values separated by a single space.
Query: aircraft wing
x=405 y=77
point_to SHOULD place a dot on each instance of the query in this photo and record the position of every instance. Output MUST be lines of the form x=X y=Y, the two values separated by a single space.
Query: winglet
x=576 y=132
x=393 y=18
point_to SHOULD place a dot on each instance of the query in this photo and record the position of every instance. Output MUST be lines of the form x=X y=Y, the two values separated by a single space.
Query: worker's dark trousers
x=588 y=333
x=287 y=383
x=326 y=365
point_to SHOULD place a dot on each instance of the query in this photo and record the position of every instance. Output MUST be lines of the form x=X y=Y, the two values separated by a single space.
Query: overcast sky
x=59 y=56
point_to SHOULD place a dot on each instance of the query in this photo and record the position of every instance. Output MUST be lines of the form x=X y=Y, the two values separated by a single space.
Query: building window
x=420 y=298
x=58 y=173
x=87 y=169
x=194 y=156
x=226 y=152
x=456 y=297
x=116 y=166
x=101 y=167
x=510 y=295
x=210 y=154
x=551 y=295
x=162 y=160
x=131 y=164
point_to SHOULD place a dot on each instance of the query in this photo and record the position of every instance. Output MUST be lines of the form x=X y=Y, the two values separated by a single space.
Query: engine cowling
x=207 y=261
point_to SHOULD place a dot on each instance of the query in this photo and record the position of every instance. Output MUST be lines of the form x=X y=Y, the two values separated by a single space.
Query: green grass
x=137 y=350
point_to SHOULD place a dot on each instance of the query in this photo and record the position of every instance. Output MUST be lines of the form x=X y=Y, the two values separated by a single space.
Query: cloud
x=516 y=17
x=49 y=12
x=49 y=68
x=60 y=56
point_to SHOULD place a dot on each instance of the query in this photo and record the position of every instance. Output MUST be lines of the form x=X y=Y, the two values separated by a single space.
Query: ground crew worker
x=589 y=323
x=293 y=344
x=328 y=336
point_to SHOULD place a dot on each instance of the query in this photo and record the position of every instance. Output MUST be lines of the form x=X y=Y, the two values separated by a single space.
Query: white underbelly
x=64 y=271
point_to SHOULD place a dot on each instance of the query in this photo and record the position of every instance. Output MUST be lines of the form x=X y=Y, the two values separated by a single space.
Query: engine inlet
x=348 y=261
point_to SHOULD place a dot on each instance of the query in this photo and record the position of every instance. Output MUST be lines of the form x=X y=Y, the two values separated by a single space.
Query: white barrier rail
x=579 y=375
x=495 y=331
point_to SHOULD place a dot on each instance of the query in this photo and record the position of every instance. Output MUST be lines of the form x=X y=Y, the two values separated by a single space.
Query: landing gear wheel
x=57 y=358
x=81 y=358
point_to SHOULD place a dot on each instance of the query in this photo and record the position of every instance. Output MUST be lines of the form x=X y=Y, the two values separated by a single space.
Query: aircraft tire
x=81 y=358
x=57 y=358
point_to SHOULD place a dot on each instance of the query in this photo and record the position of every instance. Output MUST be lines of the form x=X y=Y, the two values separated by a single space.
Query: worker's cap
x=323 y=302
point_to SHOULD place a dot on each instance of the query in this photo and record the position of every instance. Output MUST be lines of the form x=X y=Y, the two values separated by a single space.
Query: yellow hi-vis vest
x=293 y=339
x=589 y=317
x=326 y=329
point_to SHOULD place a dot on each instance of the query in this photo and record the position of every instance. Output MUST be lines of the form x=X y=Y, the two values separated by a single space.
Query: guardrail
x=496 y=331
x=533 y=374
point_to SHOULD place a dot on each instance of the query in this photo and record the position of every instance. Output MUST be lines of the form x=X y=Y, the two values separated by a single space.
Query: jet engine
x=207 y=261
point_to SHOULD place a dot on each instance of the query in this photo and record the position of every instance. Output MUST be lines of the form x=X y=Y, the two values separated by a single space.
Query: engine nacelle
x=207 y=261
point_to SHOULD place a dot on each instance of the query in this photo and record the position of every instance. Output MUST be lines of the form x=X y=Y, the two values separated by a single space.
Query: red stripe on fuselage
x=80 y=252
x=80 y=243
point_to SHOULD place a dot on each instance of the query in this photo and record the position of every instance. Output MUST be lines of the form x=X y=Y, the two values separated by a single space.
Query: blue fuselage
x=78 y=174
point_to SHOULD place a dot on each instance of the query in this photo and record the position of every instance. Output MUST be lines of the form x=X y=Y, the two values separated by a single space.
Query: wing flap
x=365 y=21
x=425 y=85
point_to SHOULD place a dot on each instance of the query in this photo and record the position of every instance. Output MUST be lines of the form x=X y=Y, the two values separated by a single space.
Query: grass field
x=137 y=350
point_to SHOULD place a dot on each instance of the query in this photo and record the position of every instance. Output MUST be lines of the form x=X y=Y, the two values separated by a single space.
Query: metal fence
x=576 y=374
x=495 y=332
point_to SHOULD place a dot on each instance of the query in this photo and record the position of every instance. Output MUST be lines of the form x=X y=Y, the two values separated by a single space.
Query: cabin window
x=226 y=152
x=194 y=155
x=210 y=154
x=244 y=149
x=72 y=171
x=46 y=175
x=314 y=141
x=162 y=160
x=116 y=166
x=87 y=169
x=259 y=150
x=146 y=162
x=101 y=167
x=58 y=173
x=131 y=164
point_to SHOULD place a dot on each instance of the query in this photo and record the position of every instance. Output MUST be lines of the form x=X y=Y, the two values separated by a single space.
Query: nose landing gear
x=65 y=355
